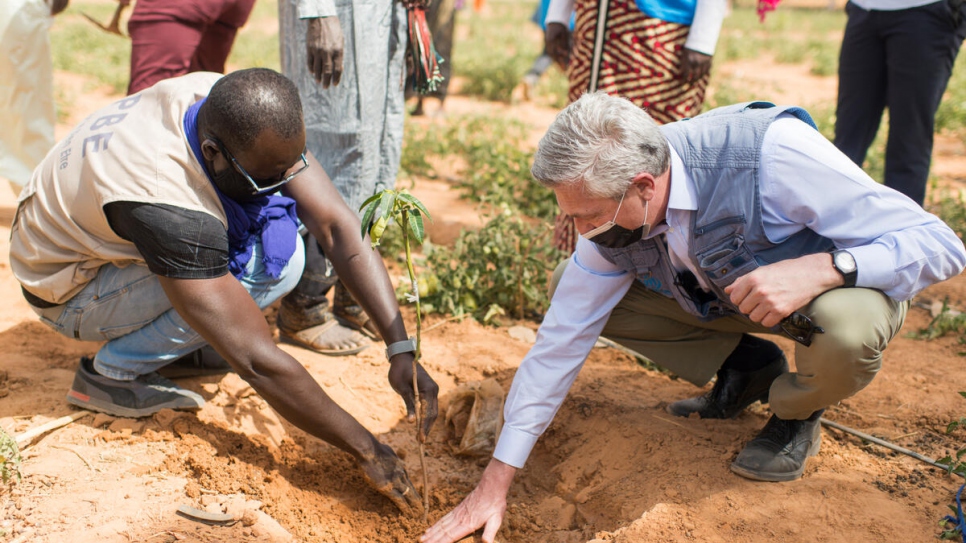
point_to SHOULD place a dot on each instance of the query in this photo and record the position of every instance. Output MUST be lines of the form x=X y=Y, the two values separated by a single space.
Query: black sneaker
x=197 y=363
x=780 y=450
x=141 y=397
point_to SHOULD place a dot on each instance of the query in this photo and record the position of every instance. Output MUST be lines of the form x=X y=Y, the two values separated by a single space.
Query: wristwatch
x=844 y=263
x=404 y=346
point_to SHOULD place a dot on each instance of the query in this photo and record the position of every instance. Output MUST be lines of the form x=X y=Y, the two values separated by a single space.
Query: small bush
x=502 y=268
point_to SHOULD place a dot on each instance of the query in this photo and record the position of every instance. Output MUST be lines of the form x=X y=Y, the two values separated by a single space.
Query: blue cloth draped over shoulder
x=672 y=11
x=271 y=218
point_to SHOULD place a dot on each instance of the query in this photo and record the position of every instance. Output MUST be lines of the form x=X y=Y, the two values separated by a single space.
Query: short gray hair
x=603 y=142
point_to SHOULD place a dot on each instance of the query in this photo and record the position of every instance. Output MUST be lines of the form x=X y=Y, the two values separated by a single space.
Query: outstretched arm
x=361 y=269
x=484 y=507
x=226 y=316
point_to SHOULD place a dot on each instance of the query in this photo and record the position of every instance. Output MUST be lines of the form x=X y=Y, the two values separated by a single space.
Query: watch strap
x=404 y=346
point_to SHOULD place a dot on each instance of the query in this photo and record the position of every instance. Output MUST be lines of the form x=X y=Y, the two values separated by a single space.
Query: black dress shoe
x=733 y=391
x=780 y=451
x=197 y=363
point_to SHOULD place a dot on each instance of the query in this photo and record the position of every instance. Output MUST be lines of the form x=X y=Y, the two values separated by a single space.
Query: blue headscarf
x=270 y=218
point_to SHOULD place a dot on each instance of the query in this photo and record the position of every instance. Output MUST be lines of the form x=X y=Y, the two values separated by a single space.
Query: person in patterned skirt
x=655 y=53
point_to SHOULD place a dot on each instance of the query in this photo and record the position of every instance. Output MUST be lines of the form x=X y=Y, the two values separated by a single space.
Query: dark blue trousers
x=901 y=60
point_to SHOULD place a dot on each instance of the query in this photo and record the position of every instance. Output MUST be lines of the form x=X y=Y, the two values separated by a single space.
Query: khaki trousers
x=858 y=324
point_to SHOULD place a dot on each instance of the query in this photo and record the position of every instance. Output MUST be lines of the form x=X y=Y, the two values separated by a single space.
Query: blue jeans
x=128 y=308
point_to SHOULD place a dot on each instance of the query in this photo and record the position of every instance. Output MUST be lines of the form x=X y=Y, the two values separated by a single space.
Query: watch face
x=844 y=262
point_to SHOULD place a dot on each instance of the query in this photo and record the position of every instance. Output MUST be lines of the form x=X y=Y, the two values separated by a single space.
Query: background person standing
x=896 y=54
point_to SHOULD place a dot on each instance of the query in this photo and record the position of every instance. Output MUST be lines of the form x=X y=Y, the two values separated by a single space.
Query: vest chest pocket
x=727 y=260
x=640 y=258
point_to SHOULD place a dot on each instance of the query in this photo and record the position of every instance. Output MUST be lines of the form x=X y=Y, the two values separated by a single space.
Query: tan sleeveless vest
x=133 y=150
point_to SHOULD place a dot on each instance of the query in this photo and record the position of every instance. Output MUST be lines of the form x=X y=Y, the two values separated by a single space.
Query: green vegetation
x=83 y=49
x=9 y=459
x=503 y=268
x=104 y=59
x=791 y=35
x=944 y=323
x=496 y=47
x=257 y=43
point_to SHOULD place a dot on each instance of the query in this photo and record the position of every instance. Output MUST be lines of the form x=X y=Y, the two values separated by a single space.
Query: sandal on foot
x=322 y=338
x=351 y=315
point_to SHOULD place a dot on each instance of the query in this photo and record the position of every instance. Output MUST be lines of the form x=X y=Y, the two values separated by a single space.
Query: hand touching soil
x=387 y=474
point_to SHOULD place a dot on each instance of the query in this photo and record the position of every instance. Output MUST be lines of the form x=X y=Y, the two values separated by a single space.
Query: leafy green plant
x=407 y=212
x=943 y=323
x=9 y=459
x=503 y=268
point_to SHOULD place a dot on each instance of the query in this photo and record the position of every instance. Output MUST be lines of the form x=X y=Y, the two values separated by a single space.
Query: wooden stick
x=24 y=439
x=88 y=464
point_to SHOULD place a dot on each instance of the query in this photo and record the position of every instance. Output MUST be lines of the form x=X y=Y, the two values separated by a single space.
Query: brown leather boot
x=780 y=451
x=733 y=391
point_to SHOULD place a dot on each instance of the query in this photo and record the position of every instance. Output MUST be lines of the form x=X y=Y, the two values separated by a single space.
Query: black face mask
x=233 y=184
x=617 y=237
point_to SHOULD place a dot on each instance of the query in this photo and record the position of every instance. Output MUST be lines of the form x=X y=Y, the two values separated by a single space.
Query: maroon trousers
x=174 y=37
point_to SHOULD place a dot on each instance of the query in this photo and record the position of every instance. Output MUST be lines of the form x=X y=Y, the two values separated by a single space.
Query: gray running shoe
x=141 y=397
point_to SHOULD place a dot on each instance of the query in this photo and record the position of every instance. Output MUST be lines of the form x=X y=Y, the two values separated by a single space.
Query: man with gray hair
x=696 y=235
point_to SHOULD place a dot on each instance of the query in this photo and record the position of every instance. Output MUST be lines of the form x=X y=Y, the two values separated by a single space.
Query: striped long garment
x=641 y=59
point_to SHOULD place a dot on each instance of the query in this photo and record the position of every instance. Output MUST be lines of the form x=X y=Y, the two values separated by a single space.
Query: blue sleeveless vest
x=721 y=151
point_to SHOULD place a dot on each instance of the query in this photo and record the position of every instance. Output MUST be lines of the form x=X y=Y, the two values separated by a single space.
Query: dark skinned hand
x=325 y=48
x=694 y=65
x=401 y=380
x=387 y=474
x=57 y=6
x=556 y=40
x=424 y=4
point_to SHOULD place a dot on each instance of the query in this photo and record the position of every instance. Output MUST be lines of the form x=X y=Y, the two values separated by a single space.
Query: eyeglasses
x=800 y=328
x=262 y=186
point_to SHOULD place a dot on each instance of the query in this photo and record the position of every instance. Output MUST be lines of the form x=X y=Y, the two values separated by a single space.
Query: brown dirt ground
x=612 y=467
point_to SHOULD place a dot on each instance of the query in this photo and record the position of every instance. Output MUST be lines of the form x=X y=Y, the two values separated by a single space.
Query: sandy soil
x=614 y=466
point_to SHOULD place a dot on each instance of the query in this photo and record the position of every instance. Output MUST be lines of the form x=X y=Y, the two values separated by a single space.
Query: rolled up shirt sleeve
x=559 y=11
x=314 y=9
x=588 y=290
x=898 y=247
x=706 y=26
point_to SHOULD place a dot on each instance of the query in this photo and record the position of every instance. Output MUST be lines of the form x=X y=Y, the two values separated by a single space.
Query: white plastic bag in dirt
x=475 y=415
